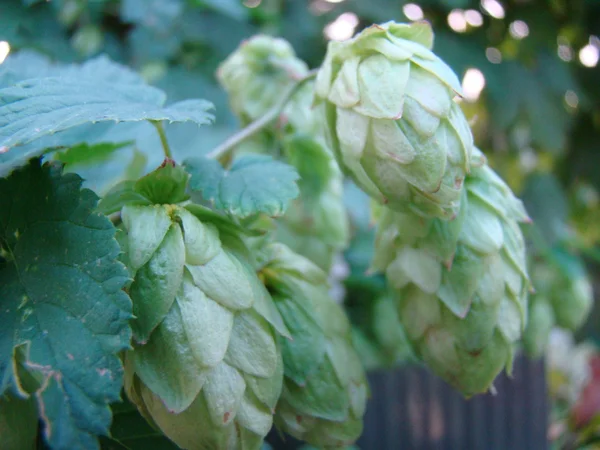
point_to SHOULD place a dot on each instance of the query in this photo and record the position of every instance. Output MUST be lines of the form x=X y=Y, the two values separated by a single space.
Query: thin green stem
x=163 y=138
x=226 y=148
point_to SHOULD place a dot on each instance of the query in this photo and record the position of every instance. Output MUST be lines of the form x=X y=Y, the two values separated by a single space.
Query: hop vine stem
x=163 y=138
x=226 y=148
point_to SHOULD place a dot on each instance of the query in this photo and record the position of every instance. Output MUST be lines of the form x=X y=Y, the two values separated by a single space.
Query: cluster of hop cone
x=236 y=330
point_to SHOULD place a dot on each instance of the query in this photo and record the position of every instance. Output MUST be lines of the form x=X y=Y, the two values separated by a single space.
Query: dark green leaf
x=254 y=184
x=61 y=297
x=130 y=431
x=167 y=184
x=18 y=422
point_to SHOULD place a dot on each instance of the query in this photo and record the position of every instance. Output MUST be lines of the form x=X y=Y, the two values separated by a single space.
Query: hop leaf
x=254 y=184
x=58 y=268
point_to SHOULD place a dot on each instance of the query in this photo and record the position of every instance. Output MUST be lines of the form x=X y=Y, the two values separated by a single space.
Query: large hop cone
x=325 y=389
x=207 y=368
x=392 y=120
x=462 y=285
x=256 y=76
x=258 y=73
x=563 y=297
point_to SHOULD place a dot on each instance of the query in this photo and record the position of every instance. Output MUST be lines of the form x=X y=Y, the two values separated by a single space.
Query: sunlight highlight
x=4 y=50
x=412 y=11
x=519 y=29
x=472 y=84
x=494 y=8
x=342 y=28
x=457 y=20
x=474 y=18
x=589 y=56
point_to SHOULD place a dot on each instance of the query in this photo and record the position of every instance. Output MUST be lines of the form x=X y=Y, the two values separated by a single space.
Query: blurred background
x=531 y=81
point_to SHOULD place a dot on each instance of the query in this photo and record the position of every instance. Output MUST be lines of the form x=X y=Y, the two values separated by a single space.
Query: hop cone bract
x=392 y=120
x=325 y=388
x=462 y=285
x=258 y=73
x=207 y=369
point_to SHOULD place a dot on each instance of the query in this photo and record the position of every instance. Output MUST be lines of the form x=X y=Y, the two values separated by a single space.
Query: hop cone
x=315 y=224
x=257 y=74
x=462 y=284
x=208 y=369
x=392 y=121
x=325 y=389
x=563 y=297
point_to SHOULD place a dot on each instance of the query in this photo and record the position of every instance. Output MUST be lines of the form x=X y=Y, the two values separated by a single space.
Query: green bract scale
x=462 y=285
x=315 y=225
x=392 y=120
x=563 y=297
x=325 y=389
x=257 y=73
x=207 y=367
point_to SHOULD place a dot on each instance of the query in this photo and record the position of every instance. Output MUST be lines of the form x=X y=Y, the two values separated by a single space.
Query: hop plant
x=392 y=121
x=563 y=297
x=316 y=224
x=462 y=285
x=207 y=367
x=325 y=388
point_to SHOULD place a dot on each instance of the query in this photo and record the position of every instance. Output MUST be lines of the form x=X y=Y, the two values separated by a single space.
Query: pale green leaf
x=146 y=228
x=223 y=391
x=166 y=365
x=156 y=284
x=86 y=155
x=208 y=324
x=254 y=184
x=224 y=280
